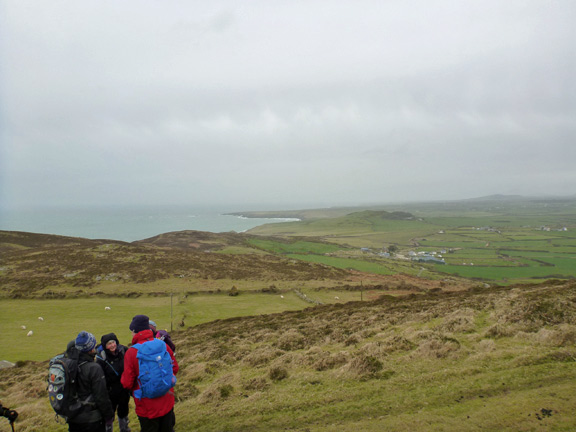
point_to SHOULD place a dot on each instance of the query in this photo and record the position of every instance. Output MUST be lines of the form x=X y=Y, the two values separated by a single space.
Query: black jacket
x=92 y=388
x=112 y=365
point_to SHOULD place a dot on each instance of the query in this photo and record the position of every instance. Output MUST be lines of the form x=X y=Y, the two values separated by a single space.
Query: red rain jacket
x=149 y=408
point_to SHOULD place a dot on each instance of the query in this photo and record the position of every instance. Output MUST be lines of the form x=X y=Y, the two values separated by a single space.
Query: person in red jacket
x=155 y=415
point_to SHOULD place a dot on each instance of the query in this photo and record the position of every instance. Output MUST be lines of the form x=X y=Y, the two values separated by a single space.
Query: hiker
x=162 y=335
x=155 y=410
x=110 y=357
x=97 y=412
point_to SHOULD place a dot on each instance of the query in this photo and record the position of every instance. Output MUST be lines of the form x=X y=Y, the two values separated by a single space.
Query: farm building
x=428 y=259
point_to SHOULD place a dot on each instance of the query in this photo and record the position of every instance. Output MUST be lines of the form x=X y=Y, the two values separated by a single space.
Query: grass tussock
x=278 y=373
x=262 y=356
x=561 y=336
x=460 y=321
x=437 y=346
x=291 y=340
x=363 y=366
x=257 y=383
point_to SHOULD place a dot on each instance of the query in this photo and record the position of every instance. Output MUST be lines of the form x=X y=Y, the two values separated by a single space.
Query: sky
x=285 y=102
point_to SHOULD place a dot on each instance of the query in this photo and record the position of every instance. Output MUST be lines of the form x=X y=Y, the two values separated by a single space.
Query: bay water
x=127 y=223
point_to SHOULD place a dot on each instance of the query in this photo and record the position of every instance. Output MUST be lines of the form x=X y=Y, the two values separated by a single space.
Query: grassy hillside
x=36 y=265
x=185 y=262
x=494 y=359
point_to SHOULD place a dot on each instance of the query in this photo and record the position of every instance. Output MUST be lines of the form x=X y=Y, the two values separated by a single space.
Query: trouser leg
x=123 y=423
x=161 y=424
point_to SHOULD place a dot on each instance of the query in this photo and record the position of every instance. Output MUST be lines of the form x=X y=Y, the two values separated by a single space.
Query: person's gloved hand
x=110 y=425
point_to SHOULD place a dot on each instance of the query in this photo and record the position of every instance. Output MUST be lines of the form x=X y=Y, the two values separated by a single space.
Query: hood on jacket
x=103 y=353
x=107 y=338
x=142 y=336
x=71 y=351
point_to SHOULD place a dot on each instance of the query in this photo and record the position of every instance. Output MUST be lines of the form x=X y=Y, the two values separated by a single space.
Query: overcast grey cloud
x=281 y=102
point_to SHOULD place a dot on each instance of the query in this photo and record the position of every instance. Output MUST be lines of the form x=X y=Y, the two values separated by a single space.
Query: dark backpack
x=62 y=386
x=155 y=374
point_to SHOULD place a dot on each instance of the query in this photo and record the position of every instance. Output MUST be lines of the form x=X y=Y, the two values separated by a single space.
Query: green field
x=64 y=319
x=293 y=247
x=515 y=254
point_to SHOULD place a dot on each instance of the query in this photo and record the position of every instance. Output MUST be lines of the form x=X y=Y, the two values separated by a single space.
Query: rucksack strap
x=106 y=361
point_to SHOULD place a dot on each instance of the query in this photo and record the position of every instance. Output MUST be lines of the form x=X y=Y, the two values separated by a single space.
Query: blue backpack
x=155 y=369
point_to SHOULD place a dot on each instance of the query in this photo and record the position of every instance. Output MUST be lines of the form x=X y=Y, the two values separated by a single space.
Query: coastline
x=131 y=223
x=288 y=216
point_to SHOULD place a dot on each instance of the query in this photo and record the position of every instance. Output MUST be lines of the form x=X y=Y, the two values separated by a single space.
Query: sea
x=127 y=223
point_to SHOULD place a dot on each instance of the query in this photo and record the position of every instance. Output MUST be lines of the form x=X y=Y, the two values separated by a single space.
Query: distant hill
x=395 y=215
x=335 y=212
x=195 y=240
x=497 y=197
x=18 y=240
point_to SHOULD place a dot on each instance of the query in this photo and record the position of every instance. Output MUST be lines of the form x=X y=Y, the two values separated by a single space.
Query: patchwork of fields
x=499 y=242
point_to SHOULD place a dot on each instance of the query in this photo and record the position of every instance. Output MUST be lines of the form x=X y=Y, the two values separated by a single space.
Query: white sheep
x=40 y=319
x=337 y=298
x=281 y=296
x=30 y=333
x=107 y=308
x=23 y=327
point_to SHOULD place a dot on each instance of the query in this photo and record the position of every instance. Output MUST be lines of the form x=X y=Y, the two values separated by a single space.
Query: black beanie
x=107 y=338
x=139 y=323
